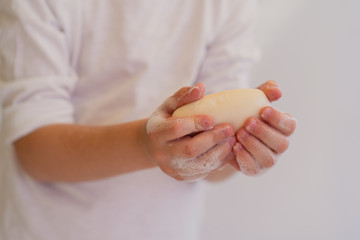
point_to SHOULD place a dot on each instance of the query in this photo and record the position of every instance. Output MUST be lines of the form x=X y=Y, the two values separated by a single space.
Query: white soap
x=231 y=106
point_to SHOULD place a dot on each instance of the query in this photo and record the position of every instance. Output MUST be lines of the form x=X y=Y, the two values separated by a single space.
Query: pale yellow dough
x=231 y=106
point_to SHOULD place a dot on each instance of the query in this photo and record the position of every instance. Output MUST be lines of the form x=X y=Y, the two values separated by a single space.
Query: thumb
x=184 y=96
x=271 y=90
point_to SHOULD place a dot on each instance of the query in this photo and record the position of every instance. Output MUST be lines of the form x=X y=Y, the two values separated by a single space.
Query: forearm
x=79 y=153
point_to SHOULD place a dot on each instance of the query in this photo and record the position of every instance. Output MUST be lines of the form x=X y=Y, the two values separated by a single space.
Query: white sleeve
x=232 y=51
x=36 y=79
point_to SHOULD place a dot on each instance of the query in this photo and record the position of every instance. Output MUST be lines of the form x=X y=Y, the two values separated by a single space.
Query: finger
x=271 y=90
x=261 y=153
x=234 y=163
x=216 y=157
x=246 y=162
x=230 y=159
x=271 y=137
x=174 y=128
x=184 y=96
x=190 y=168
x=283 y=122
x=201 y=143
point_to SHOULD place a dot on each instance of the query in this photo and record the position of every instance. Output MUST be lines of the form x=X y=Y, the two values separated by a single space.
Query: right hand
x=179 y=153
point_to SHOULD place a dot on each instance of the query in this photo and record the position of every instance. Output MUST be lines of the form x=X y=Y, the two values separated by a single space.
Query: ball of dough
x=231 y=106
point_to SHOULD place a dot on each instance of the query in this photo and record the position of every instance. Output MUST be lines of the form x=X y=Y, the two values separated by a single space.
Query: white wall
x=312 y=49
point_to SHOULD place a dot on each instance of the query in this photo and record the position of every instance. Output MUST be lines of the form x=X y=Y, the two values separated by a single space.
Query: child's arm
x=68 y=152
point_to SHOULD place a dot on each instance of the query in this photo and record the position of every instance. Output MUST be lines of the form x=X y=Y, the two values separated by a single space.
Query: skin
x=74 y=153
x=181 y=155
x=261 y=141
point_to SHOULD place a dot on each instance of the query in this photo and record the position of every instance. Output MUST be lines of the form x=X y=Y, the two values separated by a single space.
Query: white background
x=312 y=49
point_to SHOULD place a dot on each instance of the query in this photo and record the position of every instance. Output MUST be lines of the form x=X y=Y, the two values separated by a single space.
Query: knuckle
x=158 y=155
x=197 y=122
x=248 y=168
x=259 y=130
x=190 y=150
x=292 y=126
x=251 y=125
x=283 y=145
x=251 y=171
x=278 y=120
x=288 y=123
x=275 y=117
x=269 y=161
x=177 y=127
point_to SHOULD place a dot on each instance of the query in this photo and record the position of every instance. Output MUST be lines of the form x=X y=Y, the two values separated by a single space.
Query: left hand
x=262 y=140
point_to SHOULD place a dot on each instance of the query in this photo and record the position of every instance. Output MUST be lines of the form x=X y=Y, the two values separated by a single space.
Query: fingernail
x=227 y=131
x=232 y=141
x=252 y=124
x=192 y=89
x=266 y=113
x=207 y=123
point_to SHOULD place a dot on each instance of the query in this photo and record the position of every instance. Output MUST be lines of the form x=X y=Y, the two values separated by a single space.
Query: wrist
x=142 y=141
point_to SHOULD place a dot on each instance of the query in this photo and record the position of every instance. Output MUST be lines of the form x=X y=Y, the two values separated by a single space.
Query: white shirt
x=107 y=62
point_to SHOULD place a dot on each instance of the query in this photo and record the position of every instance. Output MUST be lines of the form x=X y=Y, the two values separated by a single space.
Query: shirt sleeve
x=36 y=79
x=231 y=52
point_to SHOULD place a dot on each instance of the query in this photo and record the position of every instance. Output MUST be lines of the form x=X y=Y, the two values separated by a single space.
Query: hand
x=188 y=148
x=261 y=141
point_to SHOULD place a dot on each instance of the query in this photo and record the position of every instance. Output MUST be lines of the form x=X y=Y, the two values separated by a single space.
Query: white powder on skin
x=171 y=103
x=200 y=167
x=157 y=120
x=248 y=168
x=283 y=123
x=156 y=123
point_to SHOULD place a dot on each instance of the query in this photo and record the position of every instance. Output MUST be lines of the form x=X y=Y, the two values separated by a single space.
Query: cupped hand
x=262 y=140
x=188 y=148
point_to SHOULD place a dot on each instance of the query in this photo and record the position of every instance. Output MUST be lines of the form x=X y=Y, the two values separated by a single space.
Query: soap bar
x=231 y=106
